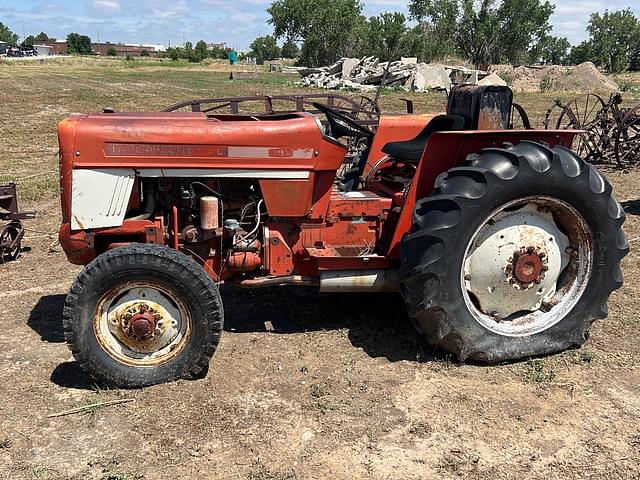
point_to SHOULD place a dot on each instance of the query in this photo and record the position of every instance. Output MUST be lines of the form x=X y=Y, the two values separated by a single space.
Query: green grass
x=586 y=356
x=537 y=372
x=42 y=472
x=121 y=476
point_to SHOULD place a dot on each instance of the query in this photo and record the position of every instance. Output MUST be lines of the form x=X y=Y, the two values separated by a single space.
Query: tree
x=523 y=25
x=290 y=50
x=553 y=50
x=327 y=29
x=7 y=36
x=264 y=48
x=614 y=36
x=219 y=53
x=78 y=44
x=174 y=54
x=43 y=37
x=200 y=52
x=384 y=35
x=435 y=35
x=28 y=41
x=144 y=53
x=483 y=31
x=187 y=51
x=580 y=53
x=479 y=32
x=634 y=58
x=112 y=52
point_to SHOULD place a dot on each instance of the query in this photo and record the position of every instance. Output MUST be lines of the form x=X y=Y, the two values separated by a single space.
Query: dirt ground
x=303 y=386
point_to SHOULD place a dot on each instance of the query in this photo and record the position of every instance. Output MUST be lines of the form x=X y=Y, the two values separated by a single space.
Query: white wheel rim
x=527 y=266
x=166 y=324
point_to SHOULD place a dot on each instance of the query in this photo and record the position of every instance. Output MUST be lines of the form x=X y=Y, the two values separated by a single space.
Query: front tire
x=514 y=254
x=142 y=315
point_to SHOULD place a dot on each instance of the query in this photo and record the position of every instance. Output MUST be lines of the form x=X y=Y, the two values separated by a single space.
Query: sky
x=235 y=22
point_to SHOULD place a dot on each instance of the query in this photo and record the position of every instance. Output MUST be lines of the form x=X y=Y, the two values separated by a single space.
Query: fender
x=445 y=150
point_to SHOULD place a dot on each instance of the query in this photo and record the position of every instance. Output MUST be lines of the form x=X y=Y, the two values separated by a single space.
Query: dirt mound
x=584 y=78
x=580 y=79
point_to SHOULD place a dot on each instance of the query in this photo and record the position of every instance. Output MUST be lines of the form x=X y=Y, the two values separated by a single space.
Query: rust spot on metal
x=490 y=118
x=79 y=222
x=528 y=267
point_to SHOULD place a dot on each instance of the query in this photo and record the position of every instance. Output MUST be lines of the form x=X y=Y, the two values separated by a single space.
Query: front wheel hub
x=142 y=325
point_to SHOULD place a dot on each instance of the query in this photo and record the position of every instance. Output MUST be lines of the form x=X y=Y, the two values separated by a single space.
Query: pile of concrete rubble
x=367 y=74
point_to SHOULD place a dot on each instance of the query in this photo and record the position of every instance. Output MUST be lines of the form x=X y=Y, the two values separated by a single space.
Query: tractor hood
x=192 y=140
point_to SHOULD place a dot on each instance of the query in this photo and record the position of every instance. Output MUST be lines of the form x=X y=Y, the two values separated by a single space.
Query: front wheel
x=142 y=315
x=514 y=254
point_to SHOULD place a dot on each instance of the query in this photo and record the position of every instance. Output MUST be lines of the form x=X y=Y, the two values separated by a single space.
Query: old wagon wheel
x=519 y=119
x=10 y=241
x=359 y=106
x=627 y=143
x=582 y=113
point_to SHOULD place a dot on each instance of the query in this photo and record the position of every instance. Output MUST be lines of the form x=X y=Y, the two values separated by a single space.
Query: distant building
x=43 y=50
x=217 y=46
x=58 y=47
x=3 y=48
x=156 y=47
x=123 y=50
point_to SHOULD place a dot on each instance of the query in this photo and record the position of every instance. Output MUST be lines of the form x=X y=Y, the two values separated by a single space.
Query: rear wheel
x=142 y=315
x=514 y=254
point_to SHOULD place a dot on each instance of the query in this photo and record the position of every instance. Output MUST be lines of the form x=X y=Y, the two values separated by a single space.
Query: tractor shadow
x=631 y=207
x=376 y=323
x=46 y=320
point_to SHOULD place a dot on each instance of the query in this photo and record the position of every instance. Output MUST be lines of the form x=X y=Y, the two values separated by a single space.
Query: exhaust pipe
x=360 y=281
x=342 y=281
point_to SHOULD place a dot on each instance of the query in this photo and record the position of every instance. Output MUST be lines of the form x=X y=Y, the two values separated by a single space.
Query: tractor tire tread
x=451 y=211
x=160 y=258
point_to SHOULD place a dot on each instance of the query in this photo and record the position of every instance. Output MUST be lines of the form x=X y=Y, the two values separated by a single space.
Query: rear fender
x=445 y=150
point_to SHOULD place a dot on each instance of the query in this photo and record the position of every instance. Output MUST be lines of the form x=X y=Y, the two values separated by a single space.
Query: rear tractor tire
x=142 y=315
x=514 y=254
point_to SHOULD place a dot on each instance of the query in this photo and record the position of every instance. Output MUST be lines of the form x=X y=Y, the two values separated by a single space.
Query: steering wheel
x=341 y=124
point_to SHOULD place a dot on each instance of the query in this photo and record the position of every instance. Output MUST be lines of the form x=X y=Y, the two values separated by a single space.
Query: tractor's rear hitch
x=11 y=233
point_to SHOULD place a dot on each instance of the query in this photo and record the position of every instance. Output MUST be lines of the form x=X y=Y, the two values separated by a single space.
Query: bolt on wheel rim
x=142 y=324
x=527 y=266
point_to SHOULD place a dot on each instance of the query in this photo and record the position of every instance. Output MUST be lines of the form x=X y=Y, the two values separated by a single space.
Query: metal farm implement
x=611 y=132
x=11 y=233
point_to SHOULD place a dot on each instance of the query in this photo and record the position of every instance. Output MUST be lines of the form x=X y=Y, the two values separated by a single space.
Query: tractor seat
x=411 y=150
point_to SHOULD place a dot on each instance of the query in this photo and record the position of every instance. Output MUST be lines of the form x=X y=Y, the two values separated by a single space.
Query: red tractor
x=503 y=243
